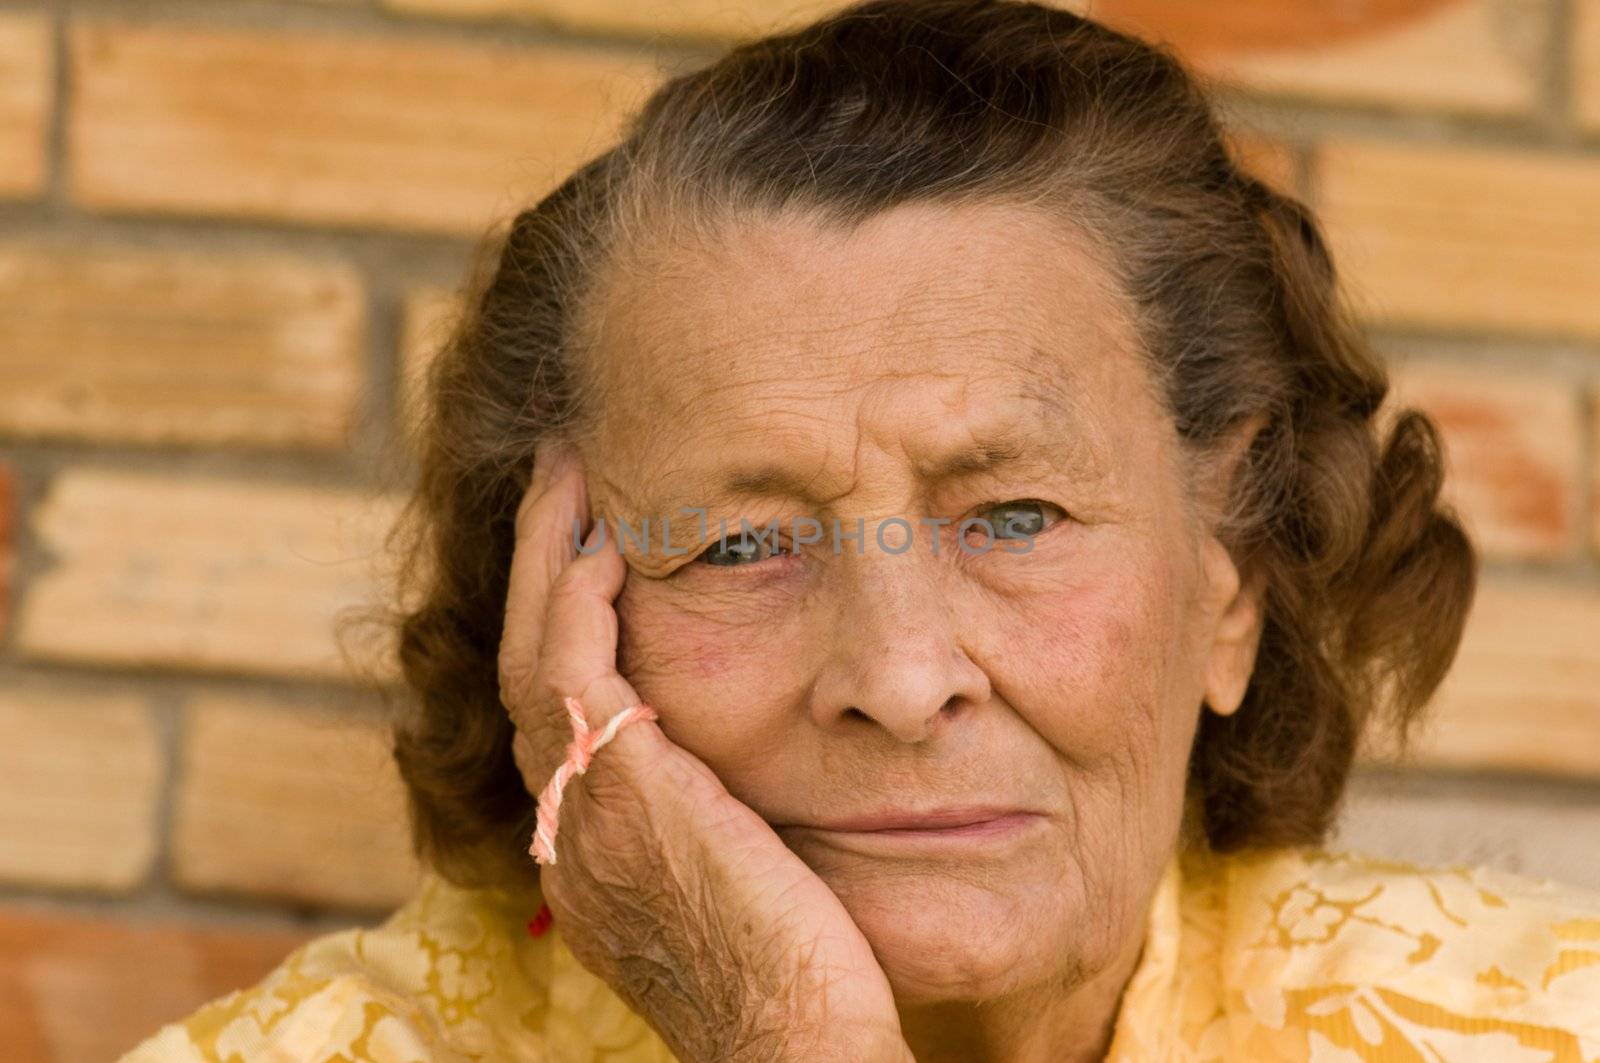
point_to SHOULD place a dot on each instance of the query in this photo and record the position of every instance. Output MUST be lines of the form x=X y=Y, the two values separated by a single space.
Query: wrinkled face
x=935 y=365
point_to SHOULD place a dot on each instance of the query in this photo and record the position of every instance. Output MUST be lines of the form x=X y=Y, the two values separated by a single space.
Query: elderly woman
x=1078 y=550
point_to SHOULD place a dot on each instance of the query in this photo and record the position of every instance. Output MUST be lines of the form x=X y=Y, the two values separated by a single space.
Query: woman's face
x=936 y=364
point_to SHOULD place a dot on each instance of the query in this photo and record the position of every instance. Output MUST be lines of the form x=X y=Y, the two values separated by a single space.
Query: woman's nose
x=895 y=657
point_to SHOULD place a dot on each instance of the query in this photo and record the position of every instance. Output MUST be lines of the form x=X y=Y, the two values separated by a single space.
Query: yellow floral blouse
x=1288 y=954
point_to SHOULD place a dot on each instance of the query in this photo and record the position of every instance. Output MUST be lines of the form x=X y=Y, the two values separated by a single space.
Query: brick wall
x=227 y=235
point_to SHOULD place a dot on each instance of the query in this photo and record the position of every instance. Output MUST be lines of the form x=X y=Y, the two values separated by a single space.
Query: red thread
x=540 y=922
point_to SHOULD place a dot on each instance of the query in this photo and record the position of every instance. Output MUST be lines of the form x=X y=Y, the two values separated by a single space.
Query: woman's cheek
x=707 y=660
x=1077 y=651
x=662 y=645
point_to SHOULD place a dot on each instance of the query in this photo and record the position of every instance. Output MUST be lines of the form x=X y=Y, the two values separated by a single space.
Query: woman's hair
x=1366 y=579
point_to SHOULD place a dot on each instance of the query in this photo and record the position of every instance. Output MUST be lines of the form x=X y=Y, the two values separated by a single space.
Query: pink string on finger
x=585 y=743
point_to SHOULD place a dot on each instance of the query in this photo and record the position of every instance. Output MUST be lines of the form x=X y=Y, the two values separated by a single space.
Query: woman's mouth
x=964 y=826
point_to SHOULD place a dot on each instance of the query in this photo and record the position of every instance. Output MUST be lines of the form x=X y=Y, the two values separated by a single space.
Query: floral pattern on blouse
x=1293 y=954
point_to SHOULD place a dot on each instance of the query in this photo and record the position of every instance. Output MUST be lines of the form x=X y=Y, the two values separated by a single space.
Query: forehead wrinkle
x=1044 y=430
x=714 y=369
x=1064 y=429
x=994 y=446
x=668 y=478
x=1044 y=441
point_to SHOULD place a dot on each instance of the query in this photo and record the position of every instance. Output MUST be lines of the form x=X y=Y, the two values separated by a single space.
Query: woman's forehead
x=922 y=314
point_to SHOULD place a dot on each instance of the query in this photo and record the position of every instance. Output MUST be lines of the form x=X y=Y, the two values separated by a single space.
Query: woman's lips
x=945 y=824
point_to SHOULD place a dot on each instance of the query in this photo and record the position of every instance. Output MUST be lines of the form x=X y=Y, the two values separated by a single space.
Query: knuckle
x=561 y=677
x=569 y=587
x=515 y=679
x=509 y=672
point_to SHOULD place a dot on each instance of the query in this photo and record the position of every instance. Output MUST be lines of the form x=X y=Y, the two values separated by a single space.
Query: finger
x=556 y=498
x=578 y=667
x=526 y=758
x=580 y=634
x=544 y=530
x=580 y=648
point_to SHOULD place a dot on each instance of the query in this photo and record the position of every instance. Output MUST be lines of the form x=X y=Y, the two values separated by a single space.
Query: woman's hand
x=675 y=893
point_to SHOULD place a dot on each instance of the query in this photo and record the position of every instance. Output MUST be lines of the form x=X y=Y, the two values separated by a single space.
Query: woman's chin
x=950 y=939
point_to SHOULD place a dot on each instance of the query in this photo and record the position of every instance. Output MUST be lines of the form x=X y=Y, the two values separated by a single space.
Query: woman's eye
x=1020 y=519
x=736 y=550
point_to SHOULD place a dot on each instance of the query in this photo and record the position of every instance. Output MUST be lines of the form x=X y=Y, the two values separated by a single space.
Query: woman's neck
x=1068 y=1021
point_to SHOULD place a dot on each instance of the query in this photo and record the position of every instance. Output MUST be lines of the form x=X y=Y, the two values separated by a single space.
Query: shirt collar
x=1144 y=1026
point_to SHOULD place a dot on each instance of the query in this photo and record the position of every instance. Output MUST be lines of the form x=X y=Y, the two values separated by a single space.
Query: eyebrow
x=985 y=455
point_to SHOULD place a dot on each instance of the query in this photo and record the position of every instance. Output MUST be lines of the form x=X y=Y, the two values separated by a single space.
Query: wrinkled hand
x=674 y=892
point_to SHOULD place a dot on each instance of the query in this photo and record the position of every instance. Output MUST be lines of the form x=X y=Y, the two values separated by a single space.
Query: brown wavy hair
x=1367 y=579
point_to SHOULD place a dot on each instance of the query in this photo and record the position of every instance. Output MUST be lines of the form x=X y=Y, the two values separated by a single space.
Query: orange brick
x=1272 y=161
x=427 y=316
x=59 y=968
x=27 y=65
x=80 y=778
x=8 y=523
x=116 y=344
x=1524 y=694
x=1479 y=56
x=204 y=573
x=334 y=128
x=1594 y=467
x=290 y=802
x=1513 y=444
x=724 y=19
x=1586 y=63
x=1464 y=238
